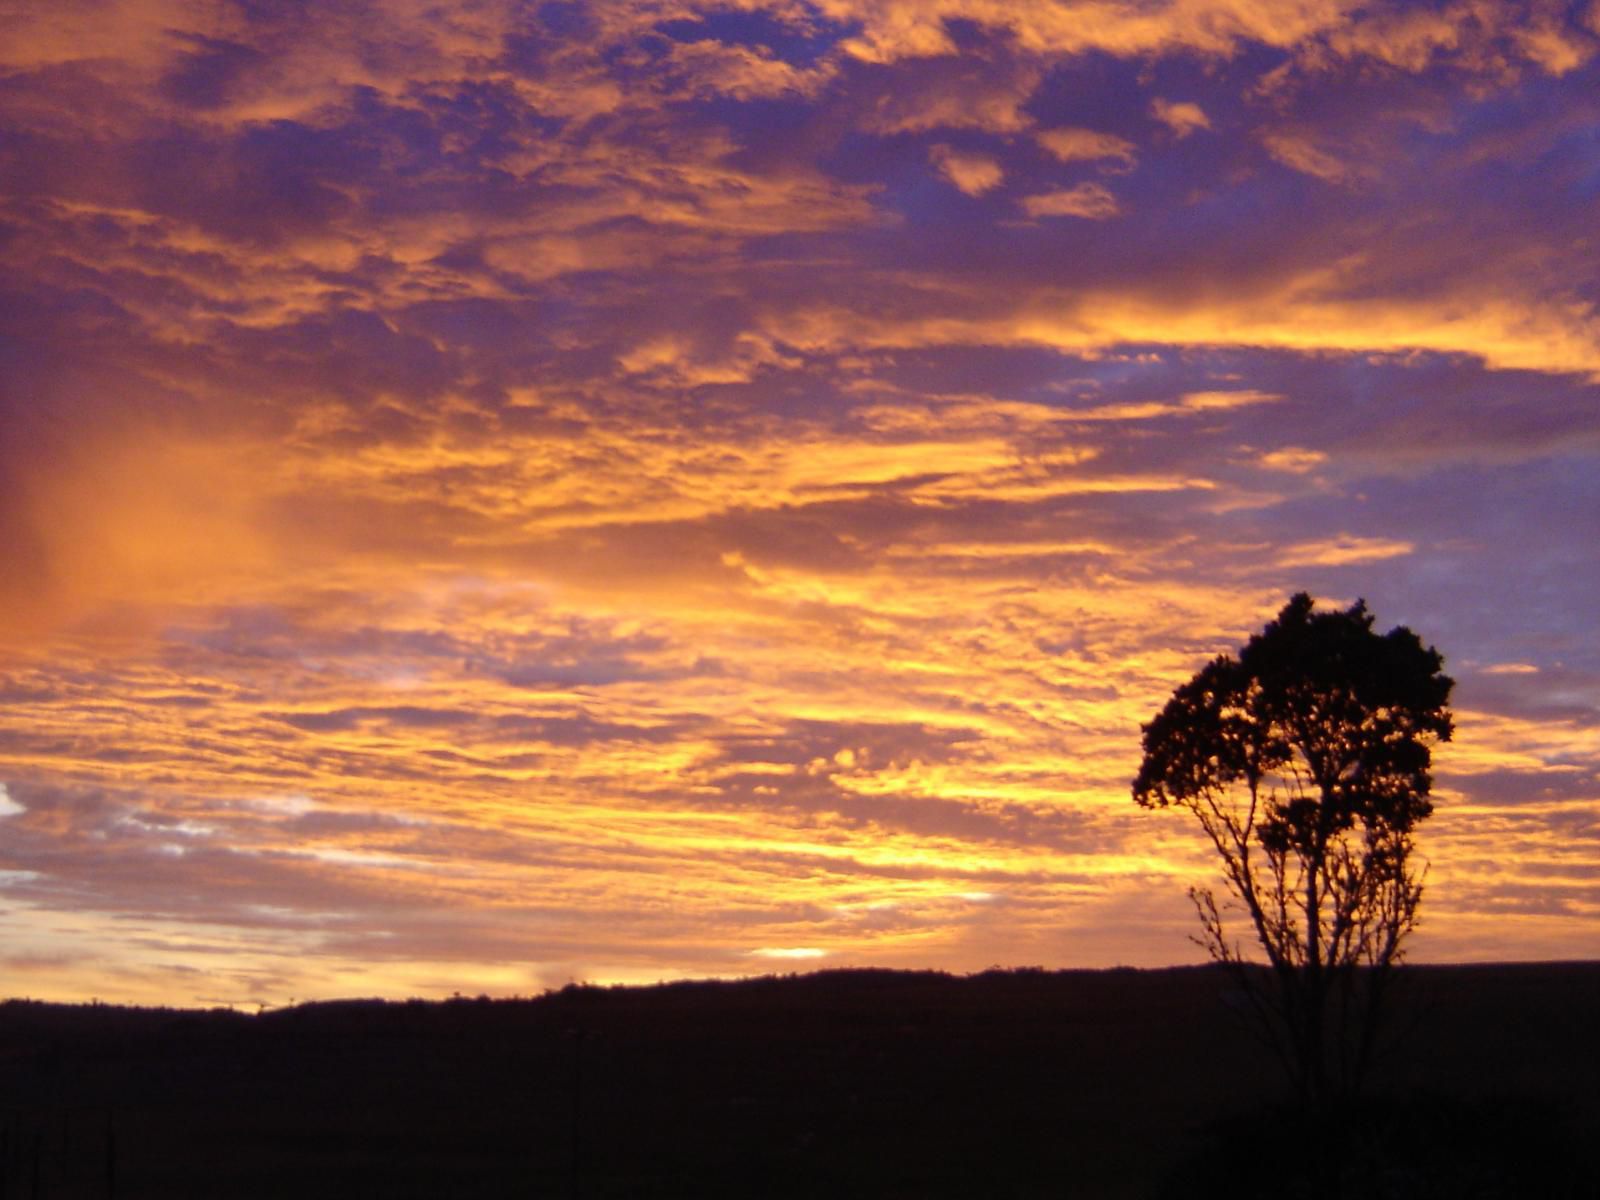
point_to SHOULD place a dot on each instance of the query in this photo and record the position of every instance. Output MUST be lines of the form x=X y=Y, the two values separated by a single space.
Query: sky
x=495 y=494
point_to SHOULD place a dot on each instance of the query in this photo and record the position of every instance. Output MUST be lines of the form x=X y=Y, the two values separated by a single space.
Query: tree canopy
x=1306 y=761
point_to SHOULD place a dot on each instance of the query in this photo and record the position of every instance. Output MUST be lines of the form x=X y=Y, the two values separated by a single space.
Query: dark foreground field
x=1116 y=1083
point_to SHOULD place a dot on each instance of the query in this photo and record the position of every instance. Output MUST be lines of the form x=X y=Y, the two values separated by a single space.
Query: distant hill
x=872 y=1083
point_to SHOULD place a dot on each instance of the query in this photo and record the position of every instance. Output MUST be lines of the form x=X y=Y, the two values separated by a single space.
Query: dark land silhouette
x=1020 y=1083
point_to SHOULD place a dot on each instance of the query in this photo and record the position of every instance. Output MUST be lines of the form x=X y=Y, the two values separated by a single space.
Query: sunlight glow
x=570 y=493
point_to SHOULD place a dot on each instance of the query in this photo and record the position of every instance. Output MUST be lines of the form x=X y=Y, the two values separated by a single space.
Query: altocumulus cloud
x=497 y=494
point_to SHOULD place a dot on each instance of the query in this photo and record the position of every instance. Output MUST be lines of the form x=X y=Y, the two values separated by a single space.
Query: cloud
x=1293 y=458
x=1085 y=145
x=1556 y=49
x=897 y=29
x=504 y=494
x=1301 y=155
x=742 y=72
x=1342 y=551
x=1222 y=400
x=788 y=952
x=1328 y=309
x=973 y=174
x=1182 y=117
x=1488 y=38
x=1088 y=200
x=949 y=93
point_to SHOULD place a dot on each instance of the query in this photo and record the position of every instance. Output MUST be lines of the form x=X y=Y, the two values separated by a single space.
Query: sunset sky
x=497 y=493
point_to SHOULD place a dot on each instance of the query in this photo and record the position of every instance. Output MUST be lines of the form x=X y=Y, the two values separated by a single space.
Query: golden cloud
x=487 y=505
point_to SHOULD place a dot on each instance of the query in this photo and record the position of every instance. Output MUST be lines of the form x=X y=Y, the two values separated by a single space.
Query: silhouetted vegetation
x=1306 y=761
x=855 y=1083
x=1431 y=1147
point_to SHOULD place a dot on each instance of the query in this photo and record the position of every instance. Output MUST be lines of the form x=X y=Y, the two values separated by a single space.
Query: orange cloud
x=1088 y=200
x=1300 y=154
x=1085 y=145
x=973 y=174
x=1293 y=458
x=1341 y=551
x=527 y=494
x=133 y=522
x=1306 y=314
x=895 y=29
x=1182 y=117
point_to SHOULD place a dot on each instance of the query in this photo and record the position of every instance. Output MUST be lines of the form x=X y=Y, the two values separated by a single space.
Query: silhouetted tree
x=1306 y=761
